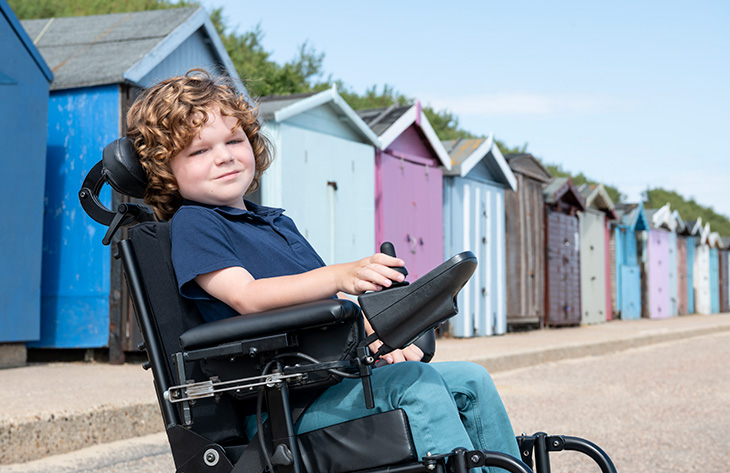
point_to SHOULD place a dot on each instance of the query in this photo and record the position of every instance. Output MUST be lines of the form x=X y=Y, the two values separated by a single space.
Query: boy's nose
x=223 y=157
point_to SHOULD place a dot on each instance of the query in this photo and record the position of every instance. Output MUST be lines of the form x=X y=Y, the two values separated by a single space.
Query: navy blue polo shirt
x=261 y=239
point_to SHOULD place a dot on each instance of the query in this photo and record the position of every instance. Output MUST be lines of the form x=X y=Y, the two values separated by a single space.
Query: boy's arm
x=236 y=287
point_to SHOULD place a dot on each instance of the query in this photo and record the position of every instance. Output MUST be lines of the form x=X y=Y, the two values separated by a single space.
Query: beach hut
x=713 y=242
x=562 y=252
x=323 y=172
x=24 y=85
x=474 y=220
x=525 y=241
x=626 y=246
x=703 y=300
x=669 y=220
x=724 y=265
x=409 y=185
x=595 y=258
x=100 y=63
x=689 y=236
x=656 y=267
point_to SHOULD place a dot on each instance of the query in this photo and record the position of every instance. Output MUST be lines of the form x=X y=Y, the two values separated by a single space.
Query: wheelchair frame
x=177 y=395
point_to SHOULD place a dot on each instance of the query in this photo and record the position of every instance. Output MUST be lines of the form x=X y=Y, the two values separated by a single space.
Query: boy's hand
x=409 y=353
x=369 y=274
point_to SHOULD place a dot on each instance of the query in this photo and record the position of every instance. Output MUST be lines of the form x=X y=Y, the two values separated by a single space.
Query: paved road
x=661 y=408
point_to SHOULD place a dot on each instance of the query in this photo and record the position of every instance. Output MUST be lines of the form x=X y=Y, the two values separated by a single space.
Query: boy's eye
x=234 y=142
x=197 y=153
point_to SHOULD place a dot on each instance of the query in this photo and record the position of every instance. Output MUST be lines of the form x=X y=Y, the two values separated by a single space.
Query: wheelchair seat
x=209 y=377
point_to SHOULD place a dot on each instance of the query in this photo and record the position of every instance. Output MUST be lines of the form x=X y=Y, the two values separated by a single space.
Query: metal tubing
x=577 y=444
x=542 y=458
x=504 y=461
x=155 y=353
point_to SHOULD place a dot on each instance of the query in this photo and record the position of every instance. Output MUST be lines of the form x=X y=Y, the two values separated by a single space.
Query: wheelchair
x=210 y=376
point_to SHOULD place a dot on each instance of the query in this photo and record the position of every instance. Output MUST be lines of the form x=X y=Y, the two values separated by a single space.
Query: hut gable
x=126 y=47
x=632 y=215
x=663 y=217
x=325 y=111
x=596 y=197
x=562 y=193
x=22 y=36
x=397 y=124
x=527 y=164
x=481 y=160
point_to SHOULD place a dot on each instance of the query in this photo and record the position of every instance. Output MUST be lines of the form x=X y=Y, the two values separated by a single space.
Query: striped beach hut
x=688 y=239
x=322 y=174
x=702 y=272
x=24 y=84
x=595 y=255
x=101 y=63
x=562 y=252
x=409 y=185
x=525 y=241
x=713 y=241
x=474 y=220
x=626 y=251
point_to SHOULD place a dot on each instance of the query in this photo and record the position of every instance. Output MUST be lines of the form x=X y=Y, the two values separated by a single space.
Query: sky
x=635 y=94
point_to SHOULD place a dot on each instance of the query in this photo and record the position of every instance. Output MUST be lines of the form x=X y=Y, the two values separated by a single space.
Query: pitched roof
x=563 y=189
x=121 y=47
x=12 y=20
x=380 y=119
x=391 y=122
x=632 y=215
x=282 y=107
x=595 y=196
x=467 y=153
x=527 y=164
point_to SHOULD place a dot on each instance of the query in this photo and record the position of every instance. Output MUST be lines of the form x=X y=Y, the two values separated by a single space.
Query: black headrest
x=122 y=168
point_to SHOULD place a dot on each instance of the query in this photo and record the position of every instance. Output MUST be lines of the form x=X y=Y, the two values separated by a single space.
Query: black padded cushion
x=309 y=315
x=374 y=441
x=122 y=168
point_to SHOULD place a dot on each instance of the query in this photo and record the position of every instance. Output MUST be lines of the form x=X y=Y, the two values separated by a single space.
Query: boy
x=200 y=143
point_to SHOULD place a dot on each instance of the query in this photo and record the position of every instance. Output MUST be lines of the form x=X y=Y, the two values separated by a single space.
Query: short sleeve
x=200 y=245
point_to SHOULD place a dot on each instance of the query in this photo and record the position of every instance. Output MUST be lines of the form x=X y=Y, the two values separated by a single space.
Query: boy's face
x=218 y=166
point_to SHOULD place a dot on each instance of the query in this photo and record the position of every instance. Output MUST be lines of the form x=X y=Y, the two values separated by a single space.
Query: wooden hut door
x=681 y=276
x=412 y=213
x=592 y=267
x=714 y=281
x=563 y=270
x=658 y=274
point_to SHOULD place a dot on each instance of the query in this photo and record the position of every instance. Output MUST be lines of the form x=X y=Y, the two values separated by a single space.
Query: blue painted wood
x=24 y=84
x=323 y=176
x=76 y=266
x=631 y=292
x=690 y=274
x=714 y=281
x=474 y=221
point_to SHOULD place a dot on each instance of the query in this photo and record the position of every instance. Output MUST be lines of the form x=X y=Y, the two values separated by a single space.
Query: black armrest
x=309 y=315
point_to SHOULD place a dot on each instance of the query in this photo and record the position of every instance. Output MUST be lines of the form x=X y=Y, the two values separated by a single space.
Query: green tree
x=688 y=209
x=29 y=9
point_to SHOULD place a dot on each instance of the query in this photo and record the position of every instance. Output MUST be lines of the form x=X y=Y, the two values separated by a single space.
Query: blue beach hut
x=24 y=85
x=625 y=257
x=101 y=63
x=323 y=172
x=474 y=220
x=714 y=243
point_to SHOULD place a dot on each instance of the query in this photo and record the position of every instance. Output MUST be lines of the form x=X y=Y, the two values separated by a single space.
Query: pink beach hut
x=409 y=185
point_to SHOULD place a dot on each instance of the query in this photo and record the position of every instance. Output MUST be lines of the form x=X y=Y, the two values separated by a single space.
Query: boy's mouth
x=227 y=175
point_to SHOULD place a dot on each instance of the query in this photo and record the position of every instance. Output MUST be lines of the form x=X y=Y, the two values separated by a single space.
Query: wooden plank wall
x=525 y=248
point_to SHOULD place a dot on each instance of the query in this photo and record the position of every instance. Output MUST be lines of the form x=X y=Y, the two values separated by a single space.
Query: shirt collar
x=253 y=209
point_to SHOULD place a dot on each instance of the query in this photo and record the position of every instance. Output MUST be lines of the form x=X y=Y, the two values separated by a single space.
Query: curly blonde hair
x=167 y=116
